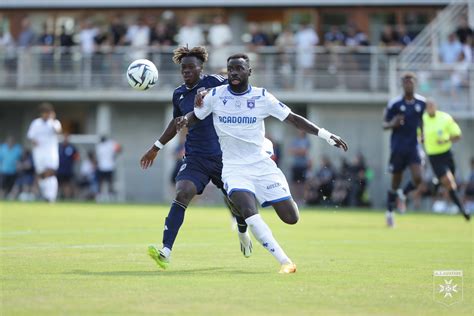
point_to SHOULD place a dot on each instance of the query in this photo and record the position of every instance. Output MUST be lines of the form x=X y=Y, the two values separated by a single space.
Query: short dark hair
x=408 y=75
x=45 y=107
x=199 y=52
x=238 y=56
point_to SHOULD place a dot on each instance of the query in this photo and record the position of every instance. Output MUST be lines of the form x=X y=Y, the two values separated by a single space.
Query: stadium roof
x=50 y=4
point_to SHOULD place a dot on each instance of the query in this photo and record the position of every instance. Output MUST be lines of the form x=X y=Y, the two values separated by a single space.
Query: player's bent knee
x=292 y=219
x=184 y=195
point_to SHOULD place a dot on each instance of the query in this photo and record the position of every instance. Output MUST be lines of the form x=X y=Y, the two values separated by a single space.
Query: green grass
x=82 y=259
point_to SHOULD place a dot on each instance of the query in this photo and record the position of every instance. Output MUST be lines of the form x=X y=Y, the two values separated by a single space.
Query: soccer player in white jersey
x=249 y=174
x=43 y=134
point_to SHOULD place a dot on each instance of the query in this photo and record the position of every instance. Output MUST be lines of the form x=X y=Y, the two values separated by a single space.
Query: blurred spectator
x=258 y=38
x=26 y=178
x=138 y=36
x=68 y=155
x=118 y=30
x=46 y=38
x=87 y=38
x=6 y=39
x=460 y=74
x=285 y=43
x=403 y=36
x=450 y=50
x=190 y=34
x=299 y=149
x=7 y=46
x=285 y=40
x=351 y=39
x=334 y=36
x=47 y=41
x=319 y=189
x=305 y=39
x=362 y=38
x=27 y=37
x=106 y=153
x=219 y=37
x=10 y=155
x=389 y=37
x=66 y=42
x=469 y=190
x=464 y=31
x=358 y=179
x=162 y=35
x=88 y=181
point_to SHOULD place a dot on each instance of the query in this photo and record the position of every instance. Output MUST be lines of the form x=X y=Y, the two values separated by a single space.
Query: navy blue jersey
x=404 y=138
x=202 y=139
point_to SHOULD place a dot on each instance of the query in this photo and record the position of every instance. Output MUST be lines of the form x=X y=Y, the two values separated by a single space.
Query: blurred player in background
x=440 y=132
x=403 y=116
x=106 y=152
x=10 y=155
x=43 y=134
x=203 y=160
x=249 y=174
x=68 y=156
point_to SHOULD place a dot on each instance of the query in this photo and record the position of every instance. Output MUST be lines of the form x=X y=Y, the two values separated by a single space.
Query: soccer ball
x=142 y=74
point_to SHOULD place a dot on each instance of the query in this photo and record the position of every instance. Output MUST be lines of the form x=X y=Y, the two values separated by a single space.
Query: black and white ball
x=142 y=74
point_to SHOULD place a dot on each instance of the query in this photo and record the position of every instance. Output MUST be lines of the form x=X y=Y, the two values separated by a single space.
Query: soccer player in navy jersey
x=203 y=156
x=403 y=116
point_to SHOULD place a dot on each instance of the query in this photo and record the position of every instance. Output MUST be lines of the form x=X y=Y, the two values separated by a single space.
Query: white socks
x=263 y=234
x=49 y=188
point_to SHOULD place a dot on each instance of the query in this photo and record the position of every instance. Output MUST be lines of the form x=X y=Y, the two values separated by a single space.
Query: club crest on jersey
x=418 y=107
x=251 y=103
x=403 y=108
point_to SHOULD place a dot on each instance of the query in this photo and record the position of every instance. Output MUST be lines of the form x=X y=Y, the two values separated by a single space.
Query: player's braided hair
x=199 y=52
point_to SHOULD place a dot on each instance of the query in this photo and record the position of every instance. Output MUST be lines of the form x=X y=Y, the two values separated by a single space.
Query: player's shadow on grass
x=213 y=271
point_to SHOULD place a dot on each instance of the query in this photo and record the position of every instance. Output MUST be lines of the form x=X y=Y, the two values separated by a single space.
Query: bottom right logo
x=448 y=286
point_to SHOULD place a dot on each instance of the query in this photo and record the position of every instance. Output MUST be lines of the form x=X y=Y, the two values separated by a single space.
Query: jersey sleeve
x=206 y=108
x=57 y=126
x=390 y=112
x=453 y=128
x=176 y=110
x=276 y=108
x=31 y=131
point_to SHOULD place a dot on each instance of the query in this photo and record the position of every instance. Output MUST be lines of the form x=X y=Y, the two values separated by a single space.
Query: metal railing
x=451 y=85
x=320 y=68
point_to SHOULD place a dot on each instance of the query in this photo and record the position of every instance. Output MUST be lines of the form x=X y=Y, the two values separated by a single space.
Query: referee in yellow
x=440 y=132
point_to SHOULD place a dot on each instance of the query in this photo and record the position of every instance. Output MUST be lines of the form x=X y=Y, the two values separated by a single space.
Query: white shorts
x=44 y=161
x=264 y=179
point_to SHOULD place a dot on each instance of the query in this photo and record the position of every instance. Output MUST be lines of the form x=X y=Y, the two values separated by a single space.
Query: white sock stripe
x=179 y=204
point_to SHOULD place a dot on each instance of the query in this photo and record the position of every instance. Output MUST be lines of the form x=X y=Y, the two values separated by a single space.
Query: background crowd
x=83 y=173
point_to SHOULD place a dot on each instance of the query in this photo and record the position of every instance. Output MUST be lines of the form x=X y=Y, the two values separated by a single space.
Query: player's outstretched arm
x=309 y=127
x=147 y=159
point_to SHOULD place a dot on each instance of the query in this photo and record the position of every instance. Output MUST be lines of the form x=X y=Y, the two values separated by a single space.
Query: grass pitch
x=82 y=259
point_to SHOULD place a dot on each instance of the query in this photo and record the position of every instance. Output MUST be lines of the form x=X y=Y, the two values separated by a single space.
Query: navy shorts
x=201 y=170
x=399 y=160
x=442 y=163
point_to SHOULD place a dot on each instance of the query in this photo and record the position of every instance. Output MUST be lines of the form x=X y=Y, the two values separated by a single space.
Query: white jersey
x=239 y=122
x=45 y=135
x=106 y=152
